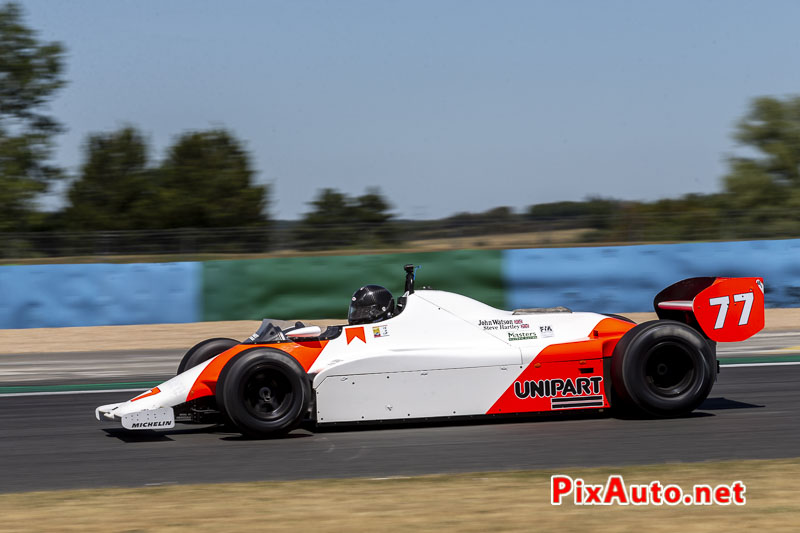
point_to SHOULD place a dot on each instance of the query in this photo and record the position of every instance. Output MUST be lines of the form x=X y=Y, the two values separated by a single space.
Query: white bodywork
x=444 y=355
x=170 y=393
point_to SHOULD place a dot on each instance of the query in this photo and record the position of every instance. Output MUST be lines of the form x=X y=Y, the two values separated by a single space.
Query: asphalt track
x=32 y=372
x=53 y=442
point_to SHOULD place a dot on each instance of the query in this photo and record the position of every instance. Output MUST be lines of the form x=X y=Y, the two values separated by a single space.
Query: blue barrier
x=626 y=278
x=604 y=279
x=99 y=294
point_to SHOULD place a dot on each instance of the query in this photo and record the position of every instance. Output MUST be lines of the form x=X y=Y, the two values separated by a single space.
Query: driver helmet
x=370 y=303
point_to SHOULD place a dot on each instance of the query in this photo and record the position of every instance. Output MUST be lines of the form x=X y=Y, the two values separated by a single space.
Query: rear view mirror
x=310 y=331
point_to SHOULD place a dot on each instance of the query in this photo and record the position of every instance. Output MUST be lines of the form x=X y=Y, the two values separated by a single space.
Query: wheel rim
x=669 y=369
x=267 y=393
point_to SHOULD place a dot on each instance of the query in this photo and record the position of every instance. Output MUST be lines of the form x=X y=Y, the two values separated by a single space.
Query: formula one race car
x=436 y=354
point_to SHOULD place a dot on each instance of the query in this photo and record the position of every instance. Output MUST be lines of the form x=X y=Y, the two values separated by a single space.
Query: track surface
x=42 y=369
x=53 y=442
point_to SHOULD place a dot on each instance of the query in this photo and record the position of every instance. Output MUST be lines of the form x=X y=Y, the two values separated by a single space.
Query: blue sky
x=446 y=106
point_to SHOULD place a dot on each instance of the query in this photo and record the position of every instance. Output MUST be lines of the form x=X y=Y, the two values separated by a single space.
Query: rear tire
x=203 y=351
x=264 y=392
x=663 y=368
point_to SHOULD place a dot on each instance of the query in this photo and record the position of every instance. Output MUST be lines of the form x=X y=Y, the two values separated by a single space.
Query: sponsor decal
x=546 y=331
x=524 y=336
x=153 y=424
x=355 y=333
x=503 y=323
x=581 y=390
x=380 y=331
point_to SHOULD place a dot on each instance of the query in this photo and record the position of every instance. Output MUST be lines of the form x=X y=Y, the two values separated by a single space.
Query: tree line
x=206 y=179
x=760 y=196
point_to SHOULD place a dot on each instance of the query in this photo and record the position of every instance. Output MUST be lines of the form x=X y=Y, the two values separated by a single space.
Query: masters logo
x=527 y=336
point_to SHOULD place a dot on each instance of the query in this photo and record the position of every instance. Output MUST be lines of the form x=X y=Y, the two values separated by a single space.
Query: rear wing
x=723 y=309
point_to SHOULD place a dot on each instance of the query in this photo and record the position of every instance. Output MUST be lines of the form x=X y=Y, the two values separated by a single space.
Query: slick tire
x=203 y=351
x=663 y=368
x=263 y=392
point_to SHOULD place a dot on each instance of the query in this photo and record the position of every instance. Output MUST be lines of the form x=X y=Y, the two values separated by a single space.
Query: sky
x=445 y=106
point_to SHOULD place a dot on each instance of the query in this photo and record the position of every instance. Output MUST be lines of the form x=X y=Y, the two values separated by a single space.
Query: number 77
x=724 y=303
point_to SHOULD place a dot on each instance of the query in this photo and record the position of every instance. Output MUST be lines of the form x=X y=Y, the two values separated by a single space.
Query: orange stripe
x=304 y=353
x=151 y=392
x=611 y=327
x=562 y=361
x=601 y=343
x=355 y=333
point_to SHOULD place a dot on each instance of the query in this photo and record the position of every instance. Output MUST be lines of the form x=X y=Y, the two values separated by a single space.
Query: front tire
x=663 y=368
x=264 y=392
x=203 y=351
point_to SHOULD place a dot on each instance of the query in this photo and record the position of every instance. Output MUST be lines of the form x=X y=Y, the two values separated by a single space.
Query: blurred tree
x=206 y=181
x=116 y=189
x=493 y=221
x=30 y=74
x=337 y=220
x=372 y=208
x=760 y=190
x=772 y=126
x=371 y=212
x=328 y=224
x=594 y=212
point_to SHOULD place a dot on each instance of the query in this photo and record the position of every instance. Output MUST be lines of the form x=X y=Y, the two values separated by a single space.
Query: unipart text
x=547 y=388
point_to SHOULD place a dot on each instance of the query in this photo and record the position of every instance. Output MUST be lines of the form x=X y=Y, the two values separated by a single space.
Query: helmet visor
x=359 y=314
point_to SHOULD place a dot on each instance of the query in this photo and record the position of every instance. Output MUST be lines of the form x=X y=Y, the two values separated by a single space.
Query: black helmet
x=370 y=303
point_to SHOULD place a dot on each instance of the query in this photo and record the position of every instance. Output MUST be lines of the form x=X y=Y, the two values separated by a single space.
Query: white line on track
x=782 y=363
x=64 y=392
x=776 y=334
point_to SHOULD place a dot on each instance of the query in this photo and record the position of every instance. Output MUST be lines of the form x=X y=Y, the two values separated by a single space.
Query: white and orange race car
x=441 y=356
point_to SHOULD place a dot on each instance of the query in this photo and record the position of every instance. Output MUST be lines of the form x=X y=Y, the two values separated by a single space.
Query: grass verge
x=508 y=501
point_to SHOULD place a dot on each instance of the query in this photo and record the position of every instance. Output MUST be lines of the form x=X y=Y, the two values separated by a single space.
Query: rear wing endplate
x=724 y=309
